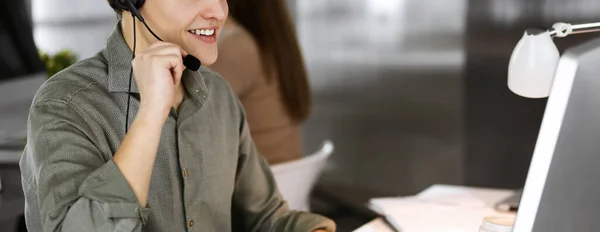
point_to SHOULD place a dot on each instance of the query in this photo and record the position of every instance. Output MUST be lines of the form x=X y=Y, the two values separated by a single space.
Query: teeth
x=205 y=32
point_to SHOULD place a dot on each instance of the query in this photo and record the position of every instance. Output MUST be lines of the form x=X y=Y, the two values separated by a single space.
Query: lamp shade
x=533 y=64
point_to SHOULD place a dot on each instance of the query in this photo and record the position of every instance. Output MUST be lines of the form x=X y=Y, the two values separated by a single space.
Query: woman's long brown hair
x=269 y=22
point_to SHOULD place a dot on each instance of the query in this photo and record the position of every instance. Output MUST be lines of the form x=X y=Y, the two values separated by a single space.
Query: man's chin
x=206 y=59
x=206 y=54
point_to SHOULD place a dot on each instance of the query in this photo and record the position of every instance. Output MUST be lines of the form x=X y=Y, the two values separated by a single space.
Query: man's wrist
x=152 y=115
x=147 y=111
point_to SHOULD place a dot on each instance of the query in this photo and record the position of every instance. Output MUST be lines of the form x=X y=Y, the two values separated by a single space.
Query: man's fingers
x=169 y=61
x=164 y=48
x=178 y=73
x=167 y=55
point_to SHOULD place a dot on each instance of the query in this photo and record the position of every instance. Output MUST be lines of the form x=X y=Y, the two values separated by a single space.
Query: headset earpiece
x=131 y=6
x=124 y=4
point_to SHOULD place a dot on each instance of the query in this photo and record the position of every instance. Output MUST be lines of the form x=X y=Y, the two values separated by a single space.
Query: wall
x=387 y=83
x=59 y=26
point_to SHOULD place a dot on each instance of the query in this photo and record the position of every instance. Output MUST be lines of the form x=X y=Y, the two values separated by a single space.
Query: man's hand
x=158 y=71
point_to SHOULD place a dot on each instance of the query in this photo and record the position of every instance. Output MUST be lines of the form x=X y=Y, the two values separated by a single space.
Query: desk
x=489 y=196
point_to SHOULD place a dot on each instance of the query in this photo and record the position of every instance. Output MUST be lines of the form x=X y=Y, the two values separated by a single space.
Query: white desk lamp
x=534 y=59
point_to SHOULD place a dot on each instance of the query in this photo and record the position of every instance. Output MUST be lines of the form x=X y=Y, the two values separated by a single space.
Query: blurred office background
x=411 y=92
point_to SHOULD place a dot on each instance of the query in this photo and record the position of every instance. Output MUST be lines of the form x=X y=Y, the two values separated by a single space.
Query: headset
x=132 y=6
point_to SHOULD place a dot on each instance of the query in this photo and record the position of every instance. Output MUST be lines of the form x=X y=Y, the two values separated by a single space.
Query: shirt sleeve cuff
x=321 y=223
x=109 y=189
x=124 y=210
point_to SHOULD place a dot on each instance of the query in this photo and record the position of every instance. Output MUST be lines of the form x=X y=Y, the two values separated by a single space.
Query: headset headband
x=123 y=5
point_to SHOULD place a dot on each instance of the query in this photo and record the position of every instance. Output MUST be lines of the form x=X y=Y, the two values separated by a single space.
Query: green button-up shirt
x=208 y=175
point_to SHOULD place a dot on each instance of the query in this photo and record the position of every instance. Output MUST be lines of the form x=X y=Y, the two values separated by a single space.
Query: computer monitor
x=562 y=190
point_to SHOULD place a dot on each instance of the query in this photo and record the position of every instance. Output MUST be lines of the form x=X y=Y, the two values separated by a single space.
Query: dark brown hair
x=268 y=21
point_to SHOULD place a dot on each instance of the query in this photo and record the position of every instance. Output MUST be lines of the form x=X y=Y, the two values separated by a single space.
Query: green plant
x=58 y=61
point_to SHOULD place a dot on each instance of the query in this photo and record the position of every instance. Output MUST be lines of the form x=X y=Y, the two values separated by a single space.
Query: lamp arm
x=565 y=29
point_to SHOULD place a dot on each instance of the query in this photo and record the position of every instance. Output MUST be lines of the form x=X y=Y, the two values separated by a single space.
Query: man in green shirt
x=183 y=161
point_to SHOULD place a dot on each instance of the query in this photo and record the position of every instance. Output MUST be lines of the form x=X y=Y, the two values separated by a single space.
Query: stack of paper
x=440 y=208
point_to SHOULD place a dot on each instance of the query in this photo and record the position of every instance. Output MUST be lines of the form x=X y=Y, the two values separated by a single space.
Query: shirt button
x=185 y=173
x=191 y=223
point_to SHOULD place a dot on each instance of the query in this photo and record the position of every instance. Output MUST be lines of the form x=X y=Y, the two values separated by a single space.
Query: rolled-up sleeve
x=258 y=205
x=67 y=183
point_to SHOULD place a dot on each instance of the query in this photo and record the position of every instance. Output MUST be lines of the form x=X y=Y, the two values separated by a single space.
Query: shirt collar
x=119 y=56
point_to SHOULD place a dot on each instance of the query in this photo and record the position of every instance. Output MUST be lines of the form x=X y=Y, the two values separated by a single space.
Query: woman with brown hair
x=260 y=58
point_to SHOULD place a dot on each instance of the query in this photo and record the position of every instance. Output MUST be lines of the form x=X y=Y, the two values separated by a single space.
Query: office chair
x=297 y=178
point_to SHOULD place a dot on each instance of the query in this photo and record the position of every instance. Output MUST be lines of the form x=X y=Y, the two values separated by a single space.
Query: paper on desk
x=466 y=195
x=383 y=205
x=415 y=215
x=440 y=208
x=433 y=217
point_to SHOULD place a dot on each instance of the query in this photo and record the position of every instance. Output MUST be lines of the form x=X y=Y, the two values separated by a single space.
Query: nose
x=215 y=9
